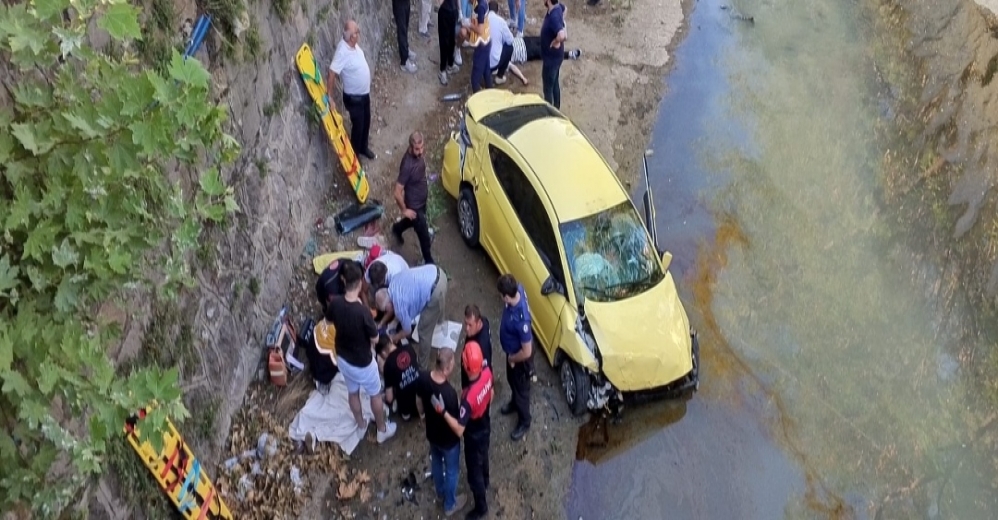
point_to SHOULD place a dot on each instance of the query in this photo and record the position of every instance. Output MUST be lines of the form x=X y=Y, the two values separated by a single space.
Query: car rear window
x=506 y=122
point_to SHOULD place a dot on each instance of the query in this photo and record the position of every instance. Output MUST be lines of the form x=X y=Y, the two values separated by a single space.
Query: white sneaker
x=409 y=67
x=443 y=77
x=389 y=432
x=500 y=80
x=368 y=242
x=457 y=58
x=453 y=69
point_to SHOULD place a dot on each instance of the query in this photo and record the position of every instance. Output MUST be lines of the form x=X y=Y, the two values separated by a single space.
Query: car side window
x=529 y=209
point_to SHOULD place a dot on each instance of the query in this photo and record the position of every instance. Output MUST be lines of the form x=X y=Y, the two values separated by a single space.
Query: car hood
x=645 y=339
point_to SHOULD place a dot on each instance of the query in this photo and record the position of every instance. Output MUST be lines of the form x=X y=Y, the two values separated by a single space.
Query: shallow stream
x=833 y=385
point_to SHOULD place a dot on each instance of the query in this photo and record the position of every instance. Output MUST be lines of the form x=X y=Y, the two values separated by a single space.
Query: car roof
x=576 y=178
x=492 y=100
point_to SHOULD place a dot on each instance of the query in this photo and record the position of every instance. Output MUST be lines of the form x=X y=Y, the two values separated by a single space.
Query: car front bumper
x=689 y=383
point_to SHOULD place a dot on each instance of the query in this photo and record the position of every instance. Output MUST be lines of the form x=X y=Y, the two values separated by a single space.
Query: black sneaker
x=475 y=514
x=369 y=154
x=507 y=408
x=519 y=433
x=575 y=54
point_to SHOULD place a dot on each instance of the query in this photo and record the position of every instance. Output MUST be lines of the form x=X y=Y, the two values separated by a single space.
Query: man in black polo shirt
x=411 y=192
x=476 y=328
x=445 y=445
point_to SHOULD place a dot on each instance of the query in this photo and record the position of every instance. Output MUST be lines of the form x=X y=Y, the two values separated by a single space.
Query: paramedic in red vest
x=473 y=424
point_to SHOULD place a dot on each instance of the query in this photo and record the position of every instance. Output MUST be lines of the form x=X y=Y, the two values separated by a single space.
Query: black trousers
x=504 y=57
x=476 y=460
x=518 y=378
x=359 y=108
x=422 y=228
x=401 y=9
x=446 y=31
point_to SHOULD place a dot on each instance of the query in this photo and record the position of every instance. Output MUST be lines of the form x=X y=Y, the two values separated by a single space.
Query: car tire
x=575 y=386
x=468 y=223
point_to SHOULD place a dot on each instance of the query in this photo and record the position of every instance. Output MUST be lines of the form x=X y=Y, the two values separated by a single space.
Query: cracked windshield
x=610 y=255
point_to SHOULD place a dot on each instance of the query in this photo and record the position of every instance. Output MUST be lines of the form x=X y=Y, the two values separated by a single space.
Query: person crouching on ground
x=401 y=371
x=356 y=334
x=420 y=291
x=445 y=445
x=472 y=422
x=501 y=49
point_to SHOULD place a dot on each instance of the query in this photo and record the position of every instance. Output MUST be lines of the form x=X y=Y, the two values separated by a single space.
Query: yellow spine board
x=332 y=121
x=321 y=262
x=178 y=472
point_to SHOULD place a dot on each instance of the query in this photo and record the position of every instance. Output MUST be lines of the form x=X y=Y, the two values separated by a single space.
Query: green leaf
x=31 y=94
x=121 y=21
x=231 y=206
x=48 y=8
x=6 y=352
x=6 y=145
x=65 y=255
x=211 y=182
x=188 y=71
x=24 y=36
x=35 y=138
x=81 y=124
x=48 y=377
x=67 y=296
x=14 y=383
x=144 y=135
x=119 y=261
x=8 y=275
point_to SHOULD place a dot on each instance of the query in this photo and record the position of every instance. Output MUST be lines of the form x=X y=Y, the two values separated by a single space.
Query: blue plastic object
x=197 y=35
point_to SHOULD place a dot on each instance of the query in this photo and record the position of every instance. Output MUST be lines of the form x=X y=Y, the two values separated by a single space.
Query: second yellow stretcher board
x=178 y=472
x=332 y=121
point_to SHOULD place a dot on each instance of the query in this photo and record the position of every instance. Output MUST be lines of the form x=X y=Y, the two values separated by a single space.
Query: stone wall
x=281 y=180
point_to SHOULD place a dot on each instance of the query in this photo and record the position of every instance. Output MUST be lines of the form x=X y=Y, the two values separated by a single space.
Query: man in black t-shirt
x=356 y=334
x=401 y=370
x=476 y=328
x=445 y=445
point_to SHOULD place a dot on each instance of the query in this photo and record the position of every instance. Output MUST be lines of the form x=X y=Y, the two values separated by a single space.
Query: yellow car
x=543 y=203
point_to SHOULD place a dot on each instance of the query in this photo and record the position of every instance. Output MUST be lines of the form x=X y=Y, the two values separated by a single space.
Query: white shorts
x=358 y=378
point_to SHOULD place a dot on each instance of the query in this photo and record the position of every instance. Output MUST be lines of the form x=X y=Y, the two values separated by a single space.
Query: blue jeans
x=551 y=79
x=520 y=16
x=445 y=465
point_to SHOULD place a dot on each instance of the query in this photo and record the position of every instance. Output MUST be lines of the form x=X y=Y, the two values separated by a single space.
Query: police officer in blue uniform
x=516 y=339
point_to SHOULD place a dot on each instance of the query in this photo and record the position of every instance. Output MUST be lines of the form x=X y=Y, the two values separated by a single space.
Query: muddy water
x=832 y=387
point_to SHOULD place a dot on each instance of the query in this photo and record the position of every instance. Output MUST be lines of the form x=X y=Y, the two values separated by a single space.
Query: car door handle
x=519 y=249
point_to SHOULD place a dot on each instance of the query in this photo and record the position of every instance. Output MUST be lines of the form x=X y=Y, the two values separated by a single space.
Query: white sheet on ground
x=329 y=419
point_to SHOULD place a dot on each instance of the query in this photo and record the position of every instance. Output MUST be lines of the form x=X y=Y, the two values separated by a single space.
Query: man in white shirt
x=350 y=67
x=502 y=43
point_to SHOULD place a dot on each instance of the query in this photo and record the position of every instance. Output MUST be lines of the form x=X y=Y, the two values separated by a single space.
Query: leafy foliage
x=86 y=209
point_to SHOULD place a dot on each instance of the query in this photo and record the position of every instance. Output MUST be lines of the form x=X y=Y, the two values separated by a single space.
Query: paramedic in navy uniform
x=516 y=339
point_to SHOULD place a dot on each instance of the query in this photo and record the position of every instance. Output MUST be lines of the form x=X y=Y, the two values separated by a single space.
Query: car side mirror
x=666 y=260
x=551 y=286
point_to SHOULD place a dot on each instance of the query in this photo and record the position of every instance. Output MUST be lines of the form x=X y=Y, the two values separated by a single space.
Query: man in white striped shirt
x=419 y=291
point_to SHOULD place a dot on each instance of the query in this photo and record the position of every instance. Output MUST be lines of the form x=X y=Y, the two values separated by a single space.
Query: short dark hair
x=444 y=357
x=493 y=6
x=382 y=344
x=352 y=274
x=507 y=285
x=472 y=311
x=378 y=273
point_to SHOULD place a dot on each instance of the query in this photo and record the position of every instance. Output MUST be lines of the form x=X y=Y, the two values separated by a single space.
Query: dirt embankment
x=612 y=93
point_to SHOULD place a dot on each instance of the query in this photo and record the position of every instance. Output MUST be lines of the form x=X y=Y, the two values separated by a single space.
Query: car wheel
x=575 y=384
x=467 y=217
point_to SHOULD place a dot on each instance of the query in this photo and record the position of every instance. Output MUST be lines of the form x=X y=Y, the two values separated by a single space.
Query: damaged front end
x=603 y=396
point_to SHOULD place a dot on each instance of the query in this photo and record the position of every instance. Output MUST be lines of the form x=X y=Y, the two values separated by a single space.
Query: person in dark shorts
x=402 y=373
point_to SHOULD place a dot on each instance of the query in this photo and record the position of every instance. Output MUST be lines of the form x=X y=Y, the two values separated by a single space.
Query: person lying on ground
x=528 y=48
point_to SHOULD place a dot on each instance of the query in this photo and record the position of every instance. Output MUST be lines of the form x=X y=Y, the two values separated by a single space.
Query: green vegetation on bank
x=108 y=171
